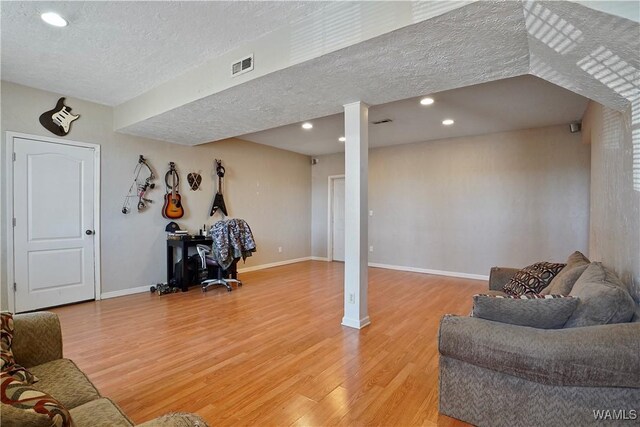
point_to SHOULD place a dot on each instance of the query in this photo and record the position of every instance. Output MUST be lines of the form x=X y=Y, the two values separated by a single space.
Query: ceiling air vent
x=379 y=122
x=242 y=66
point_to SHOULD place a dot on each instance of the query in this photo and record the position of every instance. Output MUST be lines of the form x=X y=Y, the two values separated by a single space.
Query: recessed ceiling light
x=426 y=101
x=342 y=139
x=54 y=19
x=307 y=126
x=447 y=122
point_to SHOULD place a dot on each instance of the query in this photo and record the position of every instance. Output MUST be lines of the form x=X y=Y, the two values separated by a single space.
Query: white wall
x=615 y=204
x=466 y=204
x=270 y=188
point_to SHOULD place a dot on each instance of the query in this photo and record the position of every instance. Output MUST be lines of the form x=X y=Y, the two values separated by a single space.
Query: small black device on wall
x=575 y=127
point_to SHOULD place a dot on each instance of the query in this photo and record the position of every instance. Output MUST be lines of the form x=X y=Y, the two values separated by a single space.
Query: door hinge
x=14 y=222
x=15 y=287
x=14 y=157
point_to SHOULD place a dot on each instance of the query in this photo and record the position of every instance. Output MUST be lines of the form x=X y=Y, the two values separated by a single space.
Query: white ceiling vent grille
x=242 y=66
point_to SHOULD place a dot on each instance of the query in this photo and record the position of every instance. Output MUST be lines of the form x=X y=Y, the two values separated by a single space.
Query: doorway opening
x=335 y=237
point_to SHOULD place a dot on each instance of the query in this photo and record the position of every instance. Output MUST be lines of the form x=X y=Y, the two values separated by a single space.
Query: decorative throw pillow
x=532 y=279
x=603 y=297
x=6 y=337
x=562 y=284
x=32 y=404
x=7 y=362
x=533 y=310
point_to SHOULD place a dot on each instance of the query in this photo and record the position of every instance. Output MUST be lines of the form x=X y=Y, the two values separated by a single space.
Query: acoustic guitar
x=172 y=208
x=58 y=121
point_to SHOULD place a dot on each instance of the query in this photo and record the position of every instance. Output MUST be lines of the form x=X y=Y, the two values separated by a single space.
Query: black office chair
x=222 y=275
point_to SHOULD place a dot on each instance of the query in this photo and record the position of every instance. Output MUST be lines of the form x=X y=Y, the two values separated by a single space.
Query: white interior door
x=53 y=194
x=337 y=220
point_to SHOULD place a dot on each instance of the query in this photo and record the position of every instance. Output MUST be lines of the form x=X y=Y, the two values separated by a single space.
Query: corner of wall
x=587 y=120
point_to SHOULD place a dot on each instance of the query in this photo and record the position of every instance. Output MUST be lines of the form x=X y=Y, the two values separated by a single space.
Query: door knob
x=89 y=232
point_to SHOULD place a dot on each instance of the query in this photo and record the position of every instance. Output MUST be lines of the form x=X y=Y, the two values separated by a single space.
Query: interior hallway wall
x=268 y=187
x=466 y=204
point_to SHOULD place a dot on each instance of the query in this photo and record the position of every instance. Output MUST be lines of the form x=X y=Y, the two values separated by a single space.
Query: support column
x=356 y=257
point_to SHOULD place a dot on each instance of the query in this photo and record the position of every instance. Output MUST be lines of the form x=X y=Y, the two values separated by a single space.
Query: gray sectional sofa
x=500 y=374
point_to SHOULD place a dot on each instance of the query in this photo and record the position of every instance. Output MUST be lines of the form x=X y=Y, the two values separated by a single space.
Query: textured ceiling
x=591 y=53
x=474 y=44
x=517 y=103
x=114 y=51
x=588 y=52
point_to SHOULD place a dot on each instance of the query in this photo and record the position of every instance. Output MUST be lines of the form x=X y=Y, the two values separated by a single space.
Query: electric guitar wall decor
x=172 y=208
x=218 y=200
x=58 y=121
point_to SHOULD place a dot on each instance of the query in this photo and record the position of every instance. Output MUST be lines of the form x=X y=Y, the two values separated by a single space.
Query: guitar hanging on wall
x=218 y=200
x=58 y=121
x=172 y=208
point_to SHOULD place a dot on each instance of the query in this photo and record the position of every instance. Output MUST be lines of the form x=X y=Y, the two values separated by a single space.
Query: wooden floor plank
x=273 y=352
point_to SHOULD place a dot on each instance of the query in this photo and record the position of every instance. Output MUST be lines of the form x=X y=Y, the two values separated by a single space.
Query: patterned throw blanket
x=232 y=239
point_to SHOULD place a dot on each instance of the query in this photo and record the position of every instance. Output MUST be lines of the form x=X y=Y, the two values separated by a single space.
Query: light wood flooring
x=273 y=352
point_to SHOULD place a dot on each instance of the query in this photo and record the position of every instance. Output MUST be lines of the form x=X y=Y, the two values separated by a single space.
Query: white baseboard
x=320 y=258
x=355 y=323
x=141 y=289
x=273 y=264
x=429 y=271
x=123 y=292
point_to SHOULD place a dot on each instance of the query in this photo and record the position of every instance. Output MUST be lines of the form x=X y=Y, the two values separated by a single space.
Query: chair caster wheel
x=152 y=289
x=228 y=290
